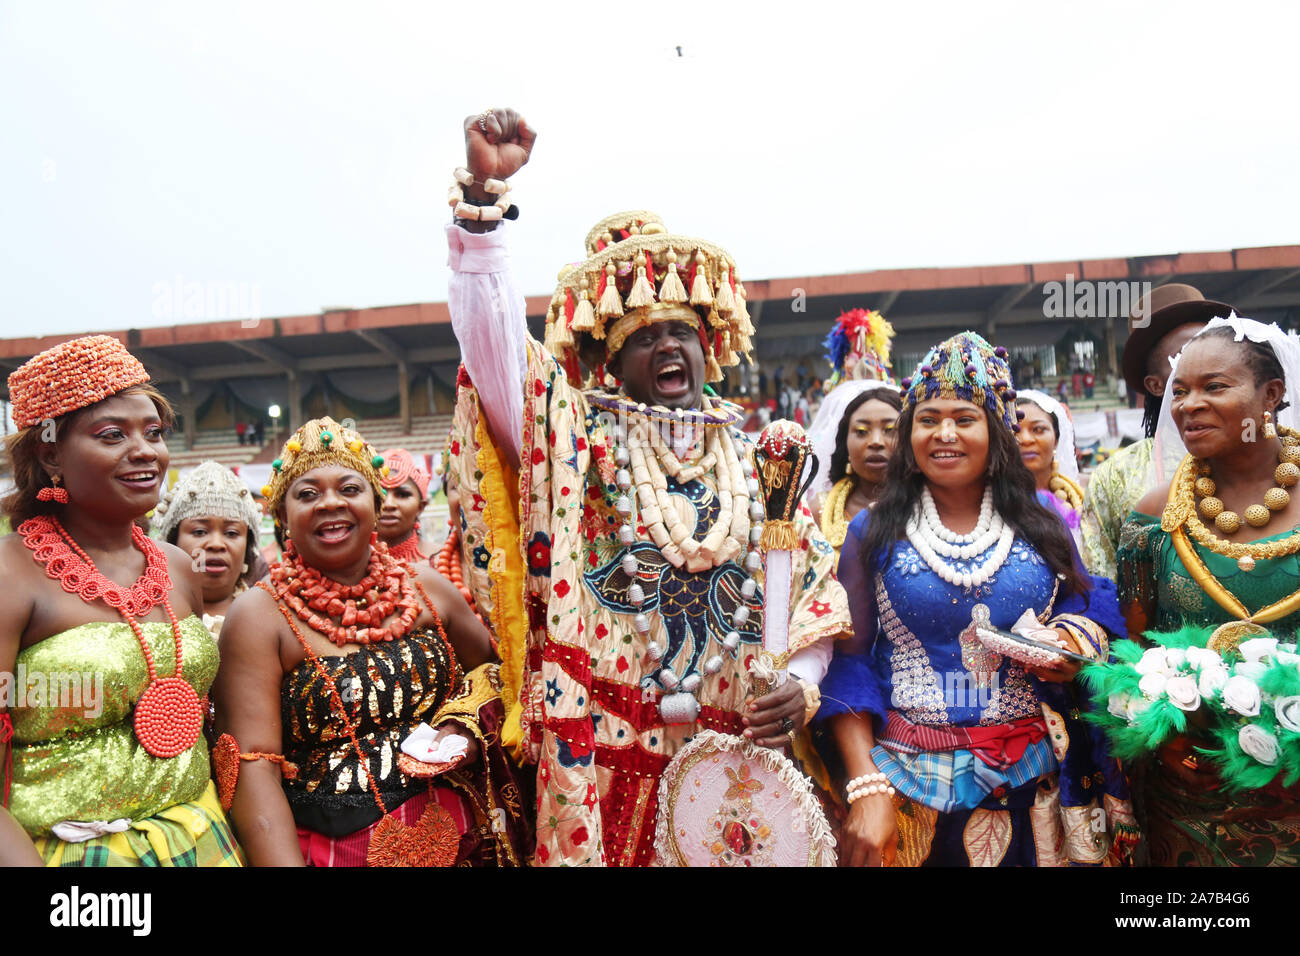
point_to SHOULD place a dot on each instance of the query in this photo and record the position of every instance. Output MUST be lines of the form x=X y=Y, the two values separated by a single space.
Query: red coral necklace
x=408 y=550
x=360 y=608
x=168 y=715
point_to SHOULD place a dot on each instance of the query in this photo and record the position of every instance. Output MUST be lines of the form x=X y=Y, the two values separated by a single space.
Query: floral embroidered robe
x=542 y=558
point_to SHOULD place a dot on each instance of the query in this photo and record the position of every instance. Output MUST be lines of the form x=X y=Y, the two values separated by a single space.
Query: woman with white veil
x=1207 y=560
x=1046 y=440
x=853 y=438
x=853 y=434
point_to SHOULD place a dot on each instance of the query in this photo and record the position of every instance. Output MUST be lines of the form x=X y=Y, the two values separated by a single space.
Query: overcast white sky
x=305 y=149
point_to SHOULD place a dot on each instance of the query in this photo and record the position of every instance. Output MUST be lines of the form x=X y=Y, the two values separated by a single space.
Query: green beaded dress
x=1187 y=820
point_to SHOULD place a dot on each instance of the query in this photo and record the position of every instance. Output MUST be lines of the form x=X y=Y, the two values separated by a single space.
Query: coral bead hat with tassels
x=637 y=273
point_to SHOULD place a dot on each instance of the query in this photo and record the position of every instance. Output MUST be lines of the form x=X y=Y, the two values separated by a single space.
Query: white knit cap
x=210 y=490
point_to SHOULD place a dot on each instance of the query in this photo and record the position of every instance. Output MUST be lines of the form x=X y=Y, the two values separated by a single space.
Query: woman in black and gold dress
x=358 y=695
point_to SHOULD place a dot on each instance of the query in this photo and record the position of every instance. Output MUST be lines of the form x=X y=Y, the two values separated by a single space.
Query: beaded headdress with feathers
x=965 y=367
x=863 y=335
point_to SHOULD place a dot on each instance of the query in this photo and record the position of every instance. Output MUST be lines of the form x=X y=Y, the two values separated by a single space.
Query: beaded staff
x=780 y=457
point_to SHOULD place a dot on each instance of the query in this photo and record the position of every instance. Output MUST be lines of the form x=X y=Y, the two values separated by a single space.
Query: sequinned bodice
x=75 y=752
x=388 y=690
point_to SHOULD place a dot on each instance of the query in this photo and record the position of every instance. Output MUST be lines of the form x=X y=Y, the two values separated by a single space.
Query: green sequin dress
x=1187 y=823
x=76 y=758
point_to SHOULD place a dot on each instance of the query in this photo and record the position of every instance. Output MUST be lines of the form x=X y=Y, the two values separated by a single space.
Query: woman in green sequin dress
x=83 y=791
x=1217 y=385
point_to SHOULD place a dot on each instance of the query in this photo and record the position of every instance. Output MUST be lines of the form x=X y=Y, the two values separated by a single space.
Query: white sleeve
x=489 y=320
x=811 y=663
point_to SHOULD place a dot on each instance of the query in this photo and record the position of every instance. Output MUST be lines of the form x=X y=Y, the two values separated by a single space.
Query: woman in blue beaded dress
x=954 y=754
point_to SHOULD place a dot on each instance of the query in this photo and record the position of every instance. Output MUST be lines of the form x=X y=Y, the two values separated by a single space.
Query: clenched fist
x=498 y=144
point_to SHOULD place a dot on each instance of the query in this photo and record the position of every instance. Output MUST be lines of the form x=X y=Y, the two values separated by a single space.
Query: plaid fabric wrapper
x=955 y=779
x=187 y=834
x=350 y=850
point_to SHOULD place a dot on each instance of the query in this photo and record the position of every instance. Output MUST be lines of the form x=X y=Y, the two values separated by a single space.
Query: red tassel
x=6 y=738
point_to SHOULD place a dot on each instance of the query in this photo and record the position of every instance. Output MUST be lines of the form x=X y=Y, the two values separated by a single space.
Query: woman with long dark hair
x=958 y=744
x=854 y=436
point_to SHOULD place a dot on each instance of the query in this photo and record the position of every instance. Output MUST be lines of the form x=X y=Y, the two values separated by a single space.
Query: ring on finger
x=787 y=725
x=482 y=121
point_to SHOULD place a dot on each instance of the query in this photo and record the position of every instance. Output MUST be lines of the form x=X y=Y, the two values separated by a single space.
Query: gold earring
x=1270 y=431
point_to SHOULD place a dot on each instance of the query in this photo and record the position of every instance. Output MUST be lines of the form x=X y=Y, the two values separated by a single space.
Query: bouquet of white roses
x=1244 y=705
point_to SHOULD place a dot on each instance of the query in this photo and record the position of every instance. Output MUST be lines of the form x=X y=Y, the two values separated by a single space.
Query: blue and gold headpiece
x=965 y=367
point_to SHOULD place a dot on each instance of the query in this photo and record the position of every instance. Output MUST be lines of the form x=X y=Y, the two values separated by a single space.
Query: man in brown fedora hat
x=1162 y=322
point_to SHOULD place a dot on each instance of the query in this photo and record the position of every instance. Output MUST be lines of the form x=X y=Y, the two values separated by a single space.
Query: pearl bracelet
x=868 y=791
x=866 y=778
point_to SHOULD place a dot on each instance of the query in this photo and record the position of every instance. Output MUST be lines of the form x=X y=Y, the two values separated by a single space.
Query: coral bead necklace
x=360 y=608
x=168 y=715
x=447 y=562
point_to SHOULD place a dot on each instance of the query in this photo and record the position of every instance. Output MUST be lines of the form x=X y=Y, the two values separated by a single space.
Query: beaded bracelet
x=468 y=210
x=855 y=795
x=866 y=778
x=464 y=177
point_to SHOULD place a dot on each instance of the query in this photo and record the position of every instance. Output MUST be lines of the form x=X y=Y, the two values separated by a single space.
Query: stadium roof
x=792 y=315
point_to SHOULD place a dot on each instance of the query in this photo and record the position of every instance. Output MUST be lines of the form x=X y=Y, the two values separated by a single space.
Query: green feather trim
x=1160 y=722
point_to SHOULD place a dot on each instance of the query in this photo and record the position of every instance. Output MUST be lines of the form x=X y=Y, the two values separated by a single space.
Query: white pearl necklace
x=932 y=514
x=988 y=529
x=930 y=537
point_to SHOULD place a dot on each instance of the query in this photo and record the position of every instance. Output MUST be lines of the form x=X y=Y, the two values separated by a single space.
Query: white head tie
x=1169 y=449
x=1067 y=462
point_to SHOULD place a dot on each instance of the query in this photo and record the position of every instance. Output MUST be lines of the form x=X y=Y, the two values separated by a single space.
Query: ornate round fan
x=725 y=802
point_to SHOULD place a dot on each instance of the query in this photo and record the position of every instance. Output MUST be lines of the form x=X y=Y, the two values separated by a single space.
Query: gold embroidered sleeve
x=1098 y=525
x=1089 y=636
x=480 y=686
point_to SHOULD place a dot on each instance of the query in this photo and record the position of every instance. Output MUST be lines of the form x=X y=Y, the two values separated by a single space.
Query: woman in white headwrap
x=853 y=438
x=1047 y=448
x=1205 y=561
